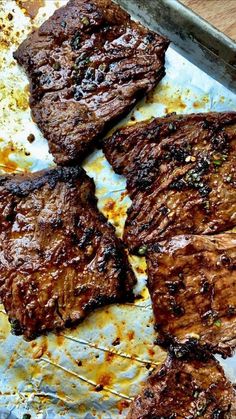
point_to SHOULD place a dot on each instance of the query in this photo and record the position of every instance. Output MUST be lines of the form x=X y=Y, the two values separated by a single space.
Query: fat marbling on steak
x=87 y=64
x=185 y=389
x=181 y=175
x=192 y=283
x=59 y=257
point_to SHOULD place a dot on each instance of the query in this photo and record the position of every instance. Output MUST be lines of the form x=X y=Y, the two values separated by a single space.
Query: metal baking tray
x=193 y=37
x=56 y=376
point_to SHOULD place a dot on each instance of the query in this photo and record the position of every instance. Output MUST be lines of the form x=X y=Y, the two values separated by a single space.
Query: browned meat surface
x=181 y=175
x=192 y=282
x=184 y=389
x=59 y=257
x=87 y=65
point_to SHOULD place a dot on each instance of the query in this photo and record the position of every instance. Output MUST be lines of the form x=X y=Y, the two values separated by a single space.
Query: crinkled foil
x=60 y=376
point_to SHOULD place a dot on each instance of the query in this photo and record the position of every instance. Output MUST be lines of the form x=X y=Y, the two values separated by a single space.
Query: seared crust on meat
x=87 y=64
x=192 y=283
x=59 y=257
x=185 y=389
x=181 y=175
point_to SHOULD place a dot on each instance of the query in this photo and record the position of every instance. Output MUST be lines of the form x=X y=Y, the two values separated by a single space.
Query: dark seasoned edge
x=139 y=95
x=125 y=111
x=190 y=348
x=195 y=355
x=218 y=118
x=21 y=185
x=224 y=118
x=92 y=306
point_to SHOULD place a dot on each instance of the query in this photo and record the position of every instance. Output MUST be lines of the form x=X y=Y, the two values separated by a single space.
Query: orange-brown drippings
x=114 y=211
x=109 y=356
x=151 y=352
x=96 y=165
x=6 y=163
x=110 y=205
x=130 y=335
x=198 y=104
x=140 y=270
x=35 y=370
x=30 y=7
x=172 y=100
x=123 y=195
x=12 y=360
x=60 y=340
x=121 y=405
x=50 y=380
x=105 y=380
x=40 y=350
x=62 y=395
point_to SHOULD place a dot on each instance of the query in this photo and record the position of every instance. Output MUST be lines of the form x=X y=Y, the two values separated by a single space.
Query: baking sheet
x=57 y=376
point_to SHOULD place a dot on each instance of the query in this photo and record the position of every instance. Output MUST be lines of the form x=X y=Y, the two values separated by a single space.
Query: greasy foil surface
x=60 y=376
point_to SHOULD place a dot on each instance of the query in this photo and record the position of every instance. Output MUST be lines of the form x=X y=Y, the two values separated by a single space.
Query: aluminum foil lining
x=59 y=376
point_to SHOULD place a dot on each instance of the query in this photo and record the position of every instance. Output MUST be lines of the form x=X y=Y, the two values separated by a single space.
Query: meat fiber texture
x=87 y=65
x=181 y=176
x=184 y=389
x=59 y=257
x=192 y=283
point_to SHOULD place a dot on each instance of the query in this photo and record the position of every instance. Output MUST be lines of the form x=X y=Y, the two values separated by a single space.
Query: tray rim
x=191 y=35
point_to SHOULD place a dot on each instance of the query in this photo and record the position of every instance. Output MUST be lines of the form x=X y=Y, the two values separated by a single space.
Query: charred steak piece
x=185 y=389
x=181 y=175
x=59 y=257
x=87 y=64
x=192 y=283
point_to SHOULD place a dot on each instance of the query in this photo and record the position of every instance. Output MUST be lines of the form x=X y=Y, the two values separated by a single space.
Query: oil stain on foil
x=30 y=7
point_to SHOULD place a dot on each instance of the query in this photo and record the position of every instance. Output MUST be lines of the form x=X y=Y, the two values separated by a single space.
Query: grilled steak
x=185 y=389
x=192 y=282
x=87 y=64
x=181 y=175
x=59 y=257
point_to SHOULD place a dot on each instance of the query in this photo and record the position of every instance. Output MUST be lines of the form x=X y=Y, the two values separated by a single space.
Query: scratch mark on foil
x=118 y=190
x=85 y=380
x=3 y=312
x=112 y=351
x=3 y=166
x=9 y=394
x=41 y=394
x=138 y=305
x=9 y=415
x=53 y=396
